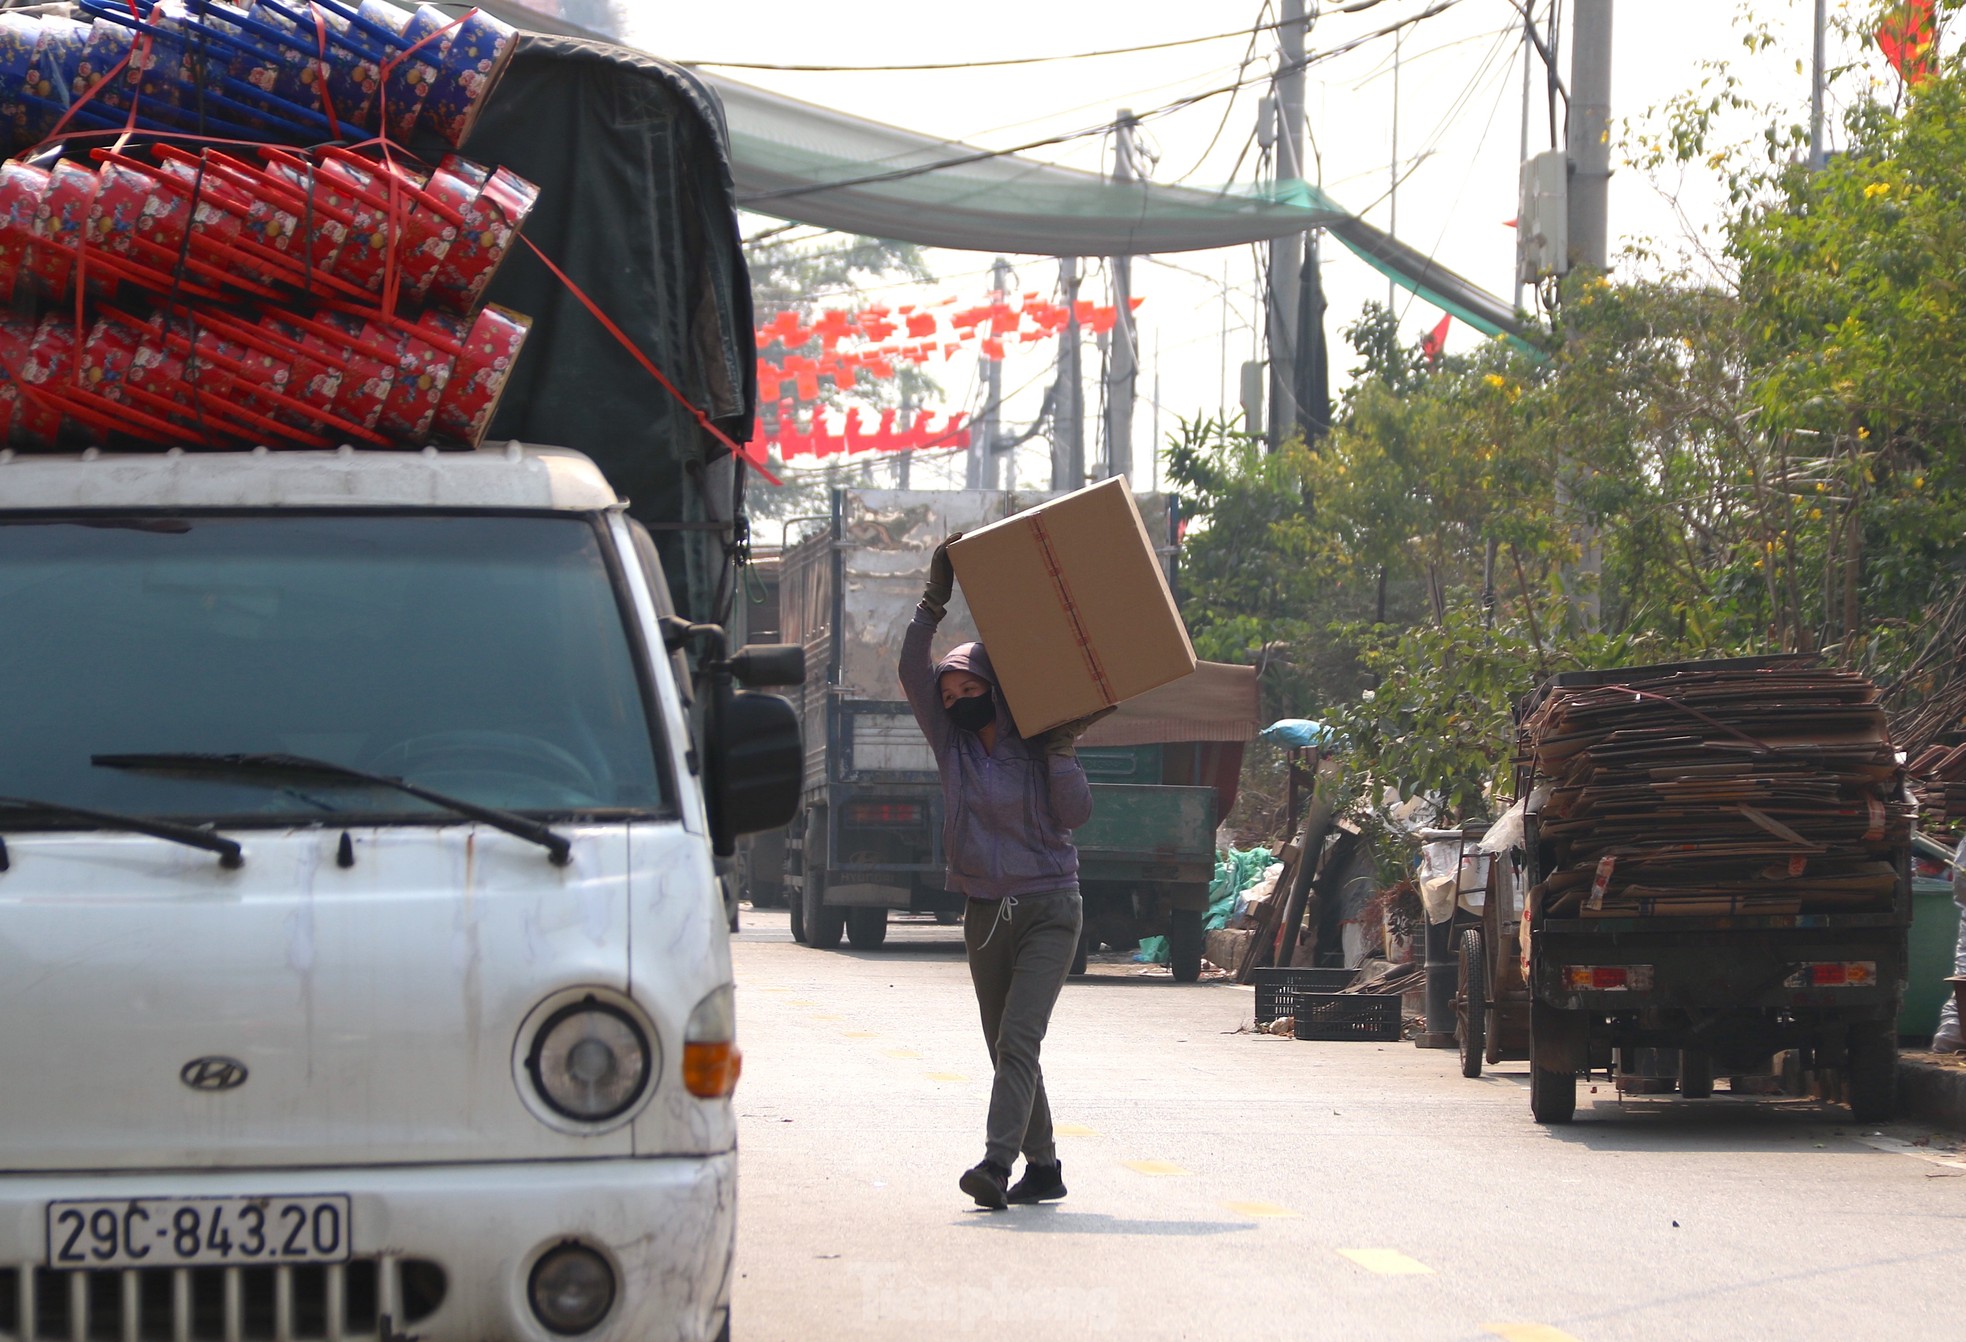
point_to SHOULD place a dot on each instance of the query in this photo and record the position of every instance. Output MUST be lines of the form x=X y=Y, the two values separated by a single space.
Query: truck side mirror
x=760 y=664
x=757 y=767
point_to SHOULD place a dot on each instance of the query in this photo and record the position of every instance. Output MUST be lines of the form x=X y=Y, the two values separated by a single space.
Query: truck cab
x=359 y=920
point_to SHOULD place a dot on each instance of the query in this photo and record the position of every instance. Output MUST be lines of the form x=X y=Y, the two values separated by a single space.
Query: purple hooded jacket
x=1008 y=813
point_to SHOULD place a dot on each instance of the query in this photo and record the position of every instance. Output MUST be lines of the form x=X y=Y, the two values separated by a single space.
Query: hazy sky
x=1459 y=128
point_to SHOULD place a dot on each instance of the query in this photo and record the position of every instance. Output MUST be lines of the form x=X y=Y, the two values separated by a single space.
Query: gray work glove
x=1063 y=740
x=941 y=579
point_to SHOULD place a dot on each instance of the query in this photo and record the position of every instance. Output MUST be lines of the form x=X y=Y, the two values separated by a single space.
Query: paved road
x=1235 y=1186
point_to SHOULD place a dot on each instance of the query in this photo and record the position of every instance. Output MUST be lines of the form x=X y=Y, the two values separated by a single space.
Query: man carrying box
x=1010 y=804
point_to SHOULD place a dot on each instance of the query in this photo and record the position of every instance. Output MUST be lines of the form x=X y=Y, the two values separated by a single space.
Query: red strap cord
x=750 y=452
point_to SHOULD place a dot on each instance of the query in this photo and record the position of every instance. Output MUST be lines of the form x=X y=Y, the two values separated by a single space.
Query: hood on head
x=974 y=659
x=971 y=659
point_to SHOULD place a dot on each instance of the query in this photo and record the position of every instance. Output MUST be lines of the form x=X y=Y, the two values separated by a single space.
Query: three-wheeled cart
x=1491 y=1009
x=1822 y=978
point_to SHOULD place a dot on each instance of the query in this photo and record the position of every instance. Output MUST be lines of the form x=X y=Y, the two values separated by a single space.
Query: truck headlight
x=590 y=1061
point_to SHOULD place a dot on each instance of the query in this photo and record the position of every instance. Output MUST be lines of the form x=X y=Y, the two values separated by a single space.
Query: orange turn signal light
x=710 y=1070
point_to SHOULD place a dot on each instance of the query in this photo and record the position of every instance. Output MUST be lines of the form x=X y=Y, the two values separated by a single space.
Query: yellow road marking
x=901 y=1053
x=1072 y=1130
x=947 y=1076
x=1259 y=1209
x=860 y=1034
x=1386 y=1262
x=819 y=1015
x=799 y=1001
x=1527 y=1332
x=1153 y=1167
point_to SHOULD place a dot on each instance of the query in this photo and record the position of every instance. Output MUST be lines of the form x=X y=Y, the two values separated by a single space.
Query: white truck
x=362 y=954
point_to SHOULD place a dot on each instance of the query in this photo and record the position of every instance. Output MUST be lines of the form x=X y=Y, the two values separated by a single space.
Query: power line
x=1354 y=8
x=1103 y=128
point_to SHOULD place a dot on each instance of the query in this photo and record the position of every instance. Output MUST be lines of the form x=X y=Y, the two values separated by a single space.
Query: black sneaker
x=1041 y=1183
x=985 y=1182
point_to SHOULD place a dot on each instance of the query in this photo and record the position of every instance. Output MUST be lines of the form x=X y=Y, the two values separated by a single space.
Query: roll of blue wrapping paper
x=284 y=71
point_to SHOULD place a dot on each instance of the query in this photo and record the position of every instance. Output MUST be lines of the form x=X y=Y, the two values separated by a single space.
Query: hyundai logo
x=213 y=1074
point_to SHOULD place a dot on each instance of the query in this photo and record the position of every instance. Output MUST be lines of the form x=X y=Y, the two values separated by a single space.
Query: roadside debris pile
x=1716 y=792
x=1938 y=780
x=206 y=290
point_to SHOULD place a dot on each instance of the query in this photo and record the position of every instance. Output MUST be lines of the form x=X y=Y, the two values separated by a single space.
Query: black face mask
x=972 y=713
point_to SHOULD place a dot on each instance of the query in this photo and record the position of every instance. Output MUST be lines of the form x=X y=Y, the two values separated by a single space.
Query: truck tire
x=1184 y=943
x=823 y=925
x=1695 y=1074
x=866 y=929
x=1871 y=1075
x=1552 y=1091
x=797 y=908
x=1084 y=949
x=1474 y=1003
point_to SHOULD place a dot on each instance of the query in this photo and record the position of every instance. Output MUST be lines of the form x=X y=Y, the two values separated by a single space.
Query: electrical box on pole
x=1542 y=222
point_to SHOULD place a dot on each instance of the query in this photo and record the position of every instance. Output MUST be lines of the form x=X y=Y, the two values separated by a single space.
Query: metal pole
x=980 y=468
x=1589 y=150
x=1286 y=254
x=1123 y=373
x=1590 y=133
x=1816 y=78
x=1522 y=152
x=1392 y=193
x=1068 y=411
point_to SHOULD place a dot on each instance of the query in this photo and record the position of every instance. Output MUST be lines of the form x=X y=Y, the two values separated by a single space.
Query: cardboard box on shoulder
x=1071 y=601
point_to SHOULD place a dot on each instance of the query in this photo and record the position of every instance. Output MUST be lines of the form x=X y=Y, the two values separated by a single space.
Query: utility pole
x=1068 y=407
x=1588 y=212
x=1522 y=153
x=1590 y=133
x=1392 y=189
x=1817 y=75
x=1123 y=372
x=980 y=467
x=1286 y=254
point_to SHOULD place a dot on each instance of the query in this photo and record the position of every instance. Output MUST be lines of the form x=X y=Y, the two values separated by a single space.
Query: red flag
x=1435 y=341
x=1907 y=38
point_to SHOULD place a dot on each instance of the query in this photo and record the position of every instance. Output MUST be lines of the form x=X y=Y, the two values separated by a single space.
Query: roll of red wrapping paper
x=48 y=358
x=422 y=371
x=491 y=345
x=423 y=236
x=365 y=381
x=21 y=186
x=15 y=336
x=59 y=222
x=474 y=56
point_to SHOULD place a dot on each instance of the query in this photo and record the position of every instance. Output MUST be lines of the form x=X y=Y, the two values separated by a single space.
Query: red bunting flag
x=1435 y=341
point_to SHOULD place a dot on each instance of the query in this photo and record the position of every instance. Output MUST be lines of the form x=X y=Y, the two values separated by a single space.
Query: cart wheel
x=1474 y=1003
x=1871 y=1075
x=1552 y=1094
x=1695 y=1074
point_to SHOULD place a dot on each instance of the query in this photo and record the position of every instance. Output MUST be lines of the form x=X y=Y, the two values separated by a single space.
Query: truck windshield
x=486 y=657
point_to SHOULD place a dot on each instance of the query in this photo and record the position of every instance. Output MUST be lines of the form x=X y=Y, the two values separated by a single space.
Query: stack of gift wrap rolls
x=175 y=288
x=279 y=71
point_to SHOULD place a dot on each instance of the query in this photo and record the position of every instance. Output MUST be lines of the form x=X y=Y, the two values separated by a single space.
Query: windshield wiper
x=291 y=767
x=230 y=854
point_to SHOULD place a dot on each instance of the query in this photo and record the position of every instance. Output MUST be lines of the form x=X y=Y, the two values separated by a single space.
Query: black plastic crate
x=1360 y=1016
x=1277 y=989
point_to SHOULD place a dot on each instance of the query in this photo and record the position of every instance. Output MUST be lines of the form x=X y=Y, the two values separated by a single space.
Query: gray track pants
x=1020 y=953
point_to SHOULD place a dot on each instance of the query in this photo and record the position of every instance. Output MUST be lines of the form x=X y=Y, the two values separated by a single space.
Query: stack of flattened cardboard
x=1939 y=782
x=1758 y=787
